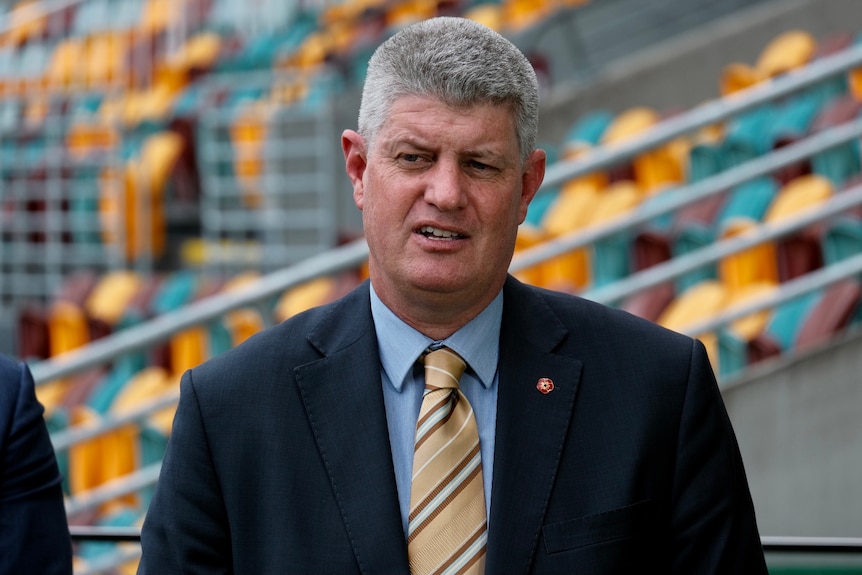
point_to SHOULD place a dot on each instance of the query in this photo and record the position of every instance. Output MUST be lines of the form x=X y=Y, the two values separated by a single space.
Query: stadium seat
x=748 y=135
x=64 y=72
x=303 y=297
x=784 y=325
x=854 y=76
x=68 y=325
x=110 y=298
x=786 y=52
x=189 y=347
x=612 y=256
x=651 y=170
x=25 y=21
x=571 y=211
x=840 y=163
x=651 y=302
x=696 y=304
x=106 y=61
x=700 y=302
x=800 y=252
x=837 y=308
x=751 y=265
x=749 y=200
x=734 y=339
x=33 y=340
x=131 y=198
x=245 y=322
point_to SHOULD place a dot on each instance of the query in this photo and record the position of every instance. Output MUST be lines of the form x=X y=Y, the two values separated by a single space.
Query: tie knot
x=443 y=368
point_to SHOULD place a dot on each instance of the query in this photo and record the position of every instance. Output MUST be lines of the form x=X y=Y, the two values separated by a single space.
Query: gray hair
x=459 y=61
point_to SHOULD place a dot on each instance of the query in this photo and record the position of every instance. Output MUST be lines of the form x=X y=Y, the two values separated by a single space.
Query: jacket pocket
x=617 y=524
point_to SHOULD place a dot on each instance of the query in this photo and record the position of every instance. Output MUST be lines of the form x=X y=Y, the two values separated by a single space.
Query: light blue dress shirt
x=403 y=384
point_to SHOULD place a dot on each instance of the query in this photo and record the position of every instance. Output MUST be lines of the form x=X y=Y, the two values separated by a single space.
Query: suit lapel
x=343 y=397
x=531 y=426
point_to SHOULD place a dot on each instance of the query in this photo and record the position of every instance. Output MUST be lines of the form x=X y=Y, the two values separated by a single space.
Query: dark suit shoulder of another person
x=34 y=535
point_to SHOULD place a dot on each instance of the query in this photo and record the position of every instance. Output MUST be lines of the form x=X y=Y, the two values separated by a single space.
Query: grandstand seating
x=131 y=154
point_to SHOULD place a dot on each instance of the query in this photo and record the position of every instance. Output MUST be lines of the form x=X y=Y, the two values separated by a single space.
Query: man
x=603 y=444
x=34 y=535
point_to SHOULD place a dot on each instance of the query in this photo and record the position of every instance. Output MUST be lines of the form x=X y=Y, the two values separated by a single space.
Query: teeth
x=431 y=231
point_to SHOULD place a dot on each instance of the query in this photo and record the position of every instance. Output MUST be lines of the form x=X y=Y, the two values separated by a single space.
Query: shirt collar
x=400 y=344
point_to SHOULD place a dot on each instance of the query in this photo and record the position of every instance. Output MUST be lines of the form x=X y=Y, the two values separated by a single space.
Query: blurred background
x=171 y=182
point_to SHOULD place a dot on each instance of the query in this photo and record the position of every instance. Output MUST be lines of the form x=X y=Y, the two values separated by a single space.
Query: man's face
x=442 y=192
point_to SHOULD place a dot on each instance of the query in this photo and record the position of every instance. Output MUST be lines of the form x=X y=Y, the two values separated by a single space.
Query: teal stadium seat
x=748 y=136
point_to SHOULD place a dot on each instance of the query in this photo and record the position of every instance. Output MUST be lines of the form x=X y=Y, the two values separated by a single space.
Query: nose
x=445 y=186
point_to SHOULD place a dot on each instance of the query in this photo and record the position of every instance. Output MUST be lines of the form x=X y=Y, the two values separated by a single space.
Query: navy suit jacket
x=279 y=459
x=34 y=535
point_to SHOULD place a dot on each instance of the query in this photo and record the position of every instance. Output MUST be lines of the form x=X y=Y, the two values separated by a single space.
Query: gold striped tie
x=447 y=529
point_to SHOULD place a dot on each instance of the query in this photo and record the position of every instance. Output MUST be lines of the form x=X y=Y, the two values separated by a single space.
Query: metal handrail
x=770 y=543
x=796 y=544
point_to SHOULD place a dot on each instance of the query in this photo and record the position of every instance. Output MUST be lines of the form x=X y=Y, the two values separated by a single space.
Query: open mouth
x=438 y=234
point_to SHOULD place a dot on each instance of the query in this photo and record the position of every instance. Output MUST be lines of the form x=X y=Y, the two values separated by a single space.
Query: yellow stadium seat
x=748 y=327
x=528 y=237
x=572 y=210
x=25 y=20
x=786 y=52
x=105 y=63
x=749 y=266
x=617 y=199
x=490 y=14
x=245 y=322
x=200 y=52
x=738 y=76
x=85 y=471
x=111 y=297
x=188 y=348
x=519 y=15
x=131 y=197
x=657 y=168
x=798 y=195
x=698 y=303
x=158 y=15
x=68 y=328
x=248 y=134
x=400 y=14
x=303 y=297
x=64 y=68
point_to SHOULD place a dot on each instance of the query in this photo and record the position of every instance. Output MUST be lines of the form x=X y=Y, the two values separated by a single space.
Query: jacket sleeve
x=186 y=529
x=713 y=523
x=34 y=534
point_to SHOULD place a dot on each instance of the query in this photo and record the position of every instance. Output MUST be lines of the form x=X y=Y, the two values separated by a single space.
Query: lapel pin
x=545 y=385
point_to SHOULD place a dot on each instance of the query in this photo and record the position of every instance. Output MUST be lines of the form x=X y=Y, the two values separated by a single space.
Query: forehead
x=423 y=119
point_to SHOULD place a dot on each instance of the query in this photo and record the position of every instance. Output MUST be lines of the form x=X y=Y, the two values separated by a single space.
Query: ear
x=531 y=180
x=355 y=162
